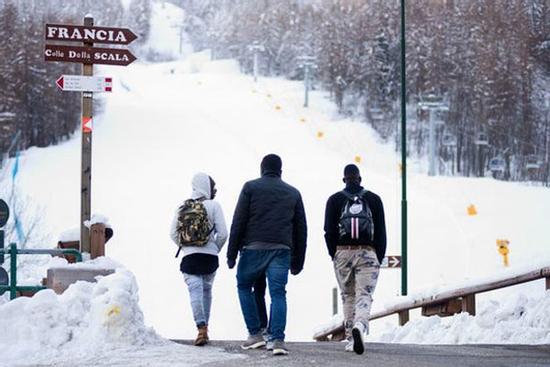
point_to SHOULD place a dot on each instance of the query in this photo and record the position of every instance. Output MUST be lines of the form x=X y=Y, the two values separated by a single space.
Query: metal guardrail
x=13 y=251
x=447 y=302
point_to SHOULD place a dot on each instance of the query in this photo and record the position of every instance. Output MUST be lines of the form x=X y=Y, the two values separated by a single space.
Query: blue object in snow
x=19 y=229
x=15 y=166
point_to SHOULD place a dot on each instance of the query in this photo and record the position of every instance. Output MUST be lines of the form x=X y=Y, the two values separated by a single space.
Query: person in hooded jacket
x=199 y=264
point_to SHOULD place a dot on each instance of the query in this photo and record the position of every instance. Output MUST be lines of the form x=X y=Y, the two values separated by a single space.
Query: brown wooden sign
x=88 y=55
x=79 y=33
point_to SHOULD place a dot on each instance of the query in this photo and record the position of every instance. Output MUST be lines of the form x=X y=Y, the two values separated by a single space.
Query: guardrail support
x=403 y=317
x=469 y=304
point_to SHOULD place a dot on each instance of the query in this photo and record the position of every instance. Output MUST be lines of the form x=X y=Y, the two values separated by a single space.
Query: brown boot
x=202 y=337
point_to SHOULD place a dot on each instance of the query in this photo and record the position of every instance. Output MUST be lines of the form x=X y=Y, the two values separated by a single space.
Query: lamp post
x=404 y=262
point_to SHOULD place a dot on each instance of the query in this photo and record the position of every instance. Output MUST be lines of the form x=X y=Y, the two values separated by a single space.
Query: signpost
x=87 y=55
x=79 y=83
x=392 y=262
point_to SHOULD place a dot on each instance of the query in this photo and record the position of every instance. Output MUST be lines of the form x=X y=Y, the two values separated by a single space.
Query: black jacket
x=332 y=215
x=269 y=210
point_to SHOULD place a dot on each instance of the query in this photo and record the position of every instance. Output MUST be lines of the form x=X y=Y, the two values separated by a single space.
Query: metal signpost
x=87 y=55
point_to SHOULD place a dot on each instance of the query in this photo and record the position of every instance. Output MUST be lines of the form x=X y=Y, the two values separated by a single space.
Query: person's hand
x=231 y=263
x=295 y=271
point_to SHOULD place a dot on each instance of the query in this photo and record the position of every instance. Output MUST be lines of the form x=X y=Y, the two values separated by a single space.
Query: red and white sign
x=80 y=83
x=87 y=124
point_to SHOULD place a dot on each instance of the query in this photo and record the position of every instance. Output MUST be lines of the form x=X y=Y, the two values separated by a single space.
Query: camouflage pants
x=357 y=273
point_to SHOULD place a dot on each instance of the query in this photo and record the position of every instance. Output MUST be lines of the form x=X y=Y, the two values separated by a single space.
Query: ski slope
x=164 y=122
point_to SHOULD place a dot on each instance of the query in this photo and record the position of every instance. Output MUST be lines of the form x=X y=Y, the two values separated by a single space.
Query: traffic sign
x=79 y=33
x=81 y=83
x=391 y=262
x=4 y=213
x=88 y=55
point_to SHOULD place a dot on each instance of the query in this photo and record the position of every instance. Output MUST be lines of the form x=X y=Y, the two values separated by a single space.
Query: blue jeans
x=200 y=293
x=275 y=265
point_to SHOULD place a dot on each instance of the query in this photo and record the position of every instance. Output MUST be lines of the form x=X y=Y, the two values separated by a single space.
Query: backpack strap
x=353 y=196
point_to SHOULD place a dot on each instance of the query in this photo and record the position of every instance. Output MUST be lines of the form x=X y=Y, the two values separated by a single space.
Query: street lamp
x=404 y=255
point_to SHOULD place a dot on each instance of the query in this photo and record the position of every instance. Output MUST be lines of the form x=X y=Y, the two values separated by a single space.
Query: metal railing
x=447 y=302
x=13 y=251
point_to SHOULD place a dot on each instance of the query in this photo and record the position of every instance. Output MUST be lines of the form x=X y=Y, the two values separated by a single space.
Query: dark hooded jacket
x=269 y=211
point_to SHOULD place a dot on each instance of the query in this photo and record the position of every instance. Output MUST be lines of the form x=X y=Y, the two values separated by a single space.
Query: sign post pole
x=86 y=178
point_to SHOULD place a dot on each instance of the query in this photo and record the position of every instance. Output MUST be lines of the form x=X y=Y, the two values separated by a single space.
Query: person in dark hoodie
x=270 y=232
x=355 y=234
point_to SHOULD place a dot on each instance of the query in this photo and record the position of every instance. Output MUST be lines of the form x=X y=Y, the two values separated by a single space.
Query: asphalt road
x=391 y=355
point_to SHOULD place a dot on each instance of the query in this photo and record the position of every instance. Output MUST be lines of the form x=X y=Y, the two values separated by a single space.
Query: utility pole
x=256 y=48
x=308 y=63
x=433 y=104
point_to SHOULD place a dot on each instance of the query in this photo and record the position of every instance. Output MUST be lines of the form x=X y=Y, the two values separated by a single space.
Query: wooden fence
x=446 y=303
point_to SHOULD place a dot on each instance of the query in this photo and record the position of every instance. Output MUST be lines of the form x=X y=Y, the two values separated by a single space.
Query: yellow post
x=503 y=250
x=357 y=159
x=472 y=210
x=320 y=134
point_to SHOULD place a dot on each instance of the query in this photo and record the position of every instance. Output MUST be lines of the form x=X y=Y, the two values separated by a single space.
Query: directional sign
x=4 y=213
x=81 y=83
x=88 y=55
x=79 y=33
x=391 y=262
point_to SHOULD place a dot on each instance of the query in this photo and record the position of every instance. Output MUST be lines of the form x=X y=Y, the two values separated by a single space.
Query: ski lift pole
x=306 y=81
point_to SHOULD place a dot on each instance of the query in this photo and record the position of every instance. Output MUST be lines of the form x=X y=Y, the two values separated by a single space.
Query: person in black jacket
x=355 y=234
x=270 y=232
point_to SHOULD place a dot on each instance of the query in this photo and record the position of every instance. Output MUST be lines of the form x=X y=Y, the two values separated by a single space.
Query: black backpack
x=356 y=222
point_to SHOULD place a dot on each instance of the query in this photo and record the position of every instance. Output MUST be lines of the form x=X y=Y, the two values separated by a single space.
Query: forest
x=486 y=63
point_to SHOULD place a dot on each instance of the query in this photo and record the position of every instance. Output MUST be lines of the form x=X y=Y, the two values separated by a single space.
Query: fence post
x=548 y=283
x=97 y=240
x=13 y=271
x=403 y=317
x=469 y=304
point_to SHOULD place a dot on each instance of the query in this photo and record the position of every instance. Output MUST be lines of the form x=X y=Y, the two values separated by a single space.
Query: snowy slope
x=164 y=122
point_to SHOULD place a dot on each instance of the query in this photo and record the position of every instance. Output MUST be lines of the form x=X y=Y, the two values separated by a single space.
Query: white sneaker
x=358 y=334
x=349 y=345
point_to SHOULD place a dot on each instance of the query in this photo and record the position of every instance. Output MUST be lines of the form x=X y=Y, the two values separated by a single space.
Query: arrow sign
x=81 y=83
x=88 y=55
x=391 y=262
x=79 y=33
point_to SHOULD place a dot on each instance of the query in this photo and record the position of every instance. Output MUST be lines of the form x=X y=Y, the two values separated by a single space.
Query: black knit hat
x=351 y=170
x=271 y=163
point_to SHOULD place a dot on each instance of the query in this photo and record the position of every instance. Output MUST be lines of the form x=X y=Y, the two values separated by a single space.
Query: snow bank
x=95 y=323
x=517 y=320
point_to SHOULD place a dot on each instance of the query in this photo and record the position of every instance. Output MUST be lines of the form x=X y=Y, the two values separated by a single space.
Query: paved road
x=392 y=355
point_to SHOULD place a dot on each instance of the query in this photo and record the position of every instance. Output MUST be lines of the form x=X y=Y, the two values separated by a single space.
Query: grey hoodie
x=201 y=189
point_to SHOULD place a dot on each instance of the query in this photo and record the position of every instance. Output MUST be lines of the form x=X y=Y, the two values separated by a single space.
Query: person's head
x=351 y=174
x=203 y=186
x=271 y=163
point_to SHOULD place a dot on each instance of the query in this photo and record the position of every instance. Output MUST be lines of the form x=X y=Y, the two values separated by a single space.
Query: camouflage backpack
x=193 y=227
